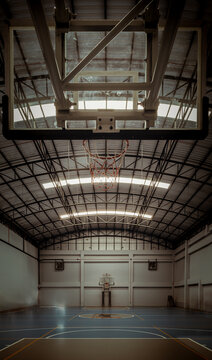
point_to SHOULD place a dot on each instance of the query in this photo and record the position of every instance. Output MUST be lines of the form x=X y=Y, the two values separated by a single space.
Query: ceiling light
x=105 y=212
x=120 y=180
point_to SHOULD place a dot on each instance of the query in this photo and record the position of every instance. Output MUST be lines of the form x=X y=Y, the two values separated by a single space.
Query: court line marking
x=11 y=330
x=103 y=329
x=139 y=317
x=127 y=327
x=175 y=339
x=6 y=347
x=187 y=329
x=205 y=347
x=181 y=343
x=27 y=345
x=75 y=315
x=113 y=338
x=106 y=307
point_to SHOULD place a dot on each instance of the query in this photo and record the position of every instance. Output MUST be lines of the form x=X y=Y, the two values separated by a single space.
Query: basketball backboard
x=64 y=98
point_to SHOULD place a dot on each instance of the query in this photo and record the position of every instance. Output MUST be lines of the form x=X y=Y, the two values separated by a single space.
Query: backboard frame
x=148 y=114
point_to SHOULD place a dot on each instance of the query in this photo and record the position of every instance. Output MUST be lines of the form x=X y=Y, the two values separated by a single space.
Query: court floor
x=85 y=333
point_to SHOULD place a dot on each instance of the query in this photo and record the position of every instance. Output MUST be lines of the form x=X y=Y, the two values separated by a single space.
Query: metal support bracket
x=146 y=134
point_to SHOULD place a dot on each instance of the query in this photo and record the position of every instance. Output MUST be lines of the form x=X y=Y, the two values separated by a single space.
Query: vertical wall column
x=173 y=278
x=186 y=268
x=82 y=279
x=200 y=300
x=130 y=279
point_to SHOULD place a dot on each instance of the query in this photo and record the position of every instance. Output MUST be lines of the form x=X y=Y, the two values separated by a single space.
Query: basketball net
x=104 y=170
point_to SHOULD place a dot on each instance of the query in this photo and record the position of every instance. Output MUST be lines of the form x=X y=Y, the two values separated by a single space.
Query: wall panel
x=179 y=296
x=71 y=272
x=193 y=296
x=201 y=264
x=59 y=296
x=162 y=274
x=207 y=297
x=179 y=270
x=18 y=280
x=151 y=296
x=93 y=297
x=94 y=270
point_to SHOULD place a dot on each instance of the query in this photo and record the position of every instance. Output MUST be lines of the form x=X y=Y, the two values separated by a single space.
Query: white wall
x=193 y=272
x=18 y=271
x=78 y=283
x=185 y=273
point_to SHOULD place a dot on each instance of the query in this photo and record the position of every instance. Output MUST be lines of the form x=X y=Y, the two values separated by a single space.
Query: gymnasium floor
x=85 y=333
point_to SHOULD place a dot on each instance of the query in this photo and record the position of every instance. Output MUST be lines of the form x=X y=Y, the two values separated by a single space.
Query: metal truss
x=117 y=235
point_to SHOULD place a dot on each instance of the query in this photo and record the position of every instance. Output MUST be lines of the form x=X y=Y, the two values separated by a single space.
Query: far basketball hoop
x=104 y=169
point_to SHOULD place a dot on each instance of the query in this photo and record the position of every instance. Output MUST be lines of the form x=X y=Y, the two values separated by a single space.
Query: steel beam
x=201 y=69
x=43 y=35
x=87 y=25
x=61 y=14
x=62 y=20
x=98 y=86
x=9 y=71
x=170 y=31
x=140 y=7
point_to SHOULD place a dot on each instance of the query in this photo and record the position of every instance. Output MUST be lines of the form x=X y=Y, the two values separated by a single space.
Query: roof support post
x=151 y=23
x=122 y=24
x=43 y=35
x=62 y=17
x=169 y=34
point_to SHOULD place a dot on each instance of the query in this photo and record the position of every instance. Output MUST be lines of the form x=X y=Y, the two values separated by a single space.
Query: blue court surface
x=105 y=323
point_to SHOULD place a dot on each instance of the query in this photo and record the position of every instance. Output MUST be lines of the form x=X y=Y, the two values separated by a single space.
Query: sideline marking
x=181 y=343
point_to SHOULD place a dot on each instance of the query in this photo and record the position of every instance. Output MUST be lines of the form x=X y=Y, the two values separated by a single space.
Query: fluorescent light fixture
x=105 y=212
x=162 y=185
x=120 y=180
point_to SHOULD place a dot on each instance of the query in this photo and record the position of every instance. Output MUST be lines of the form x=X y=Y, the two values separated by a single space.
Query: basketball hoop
x=104 y=170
